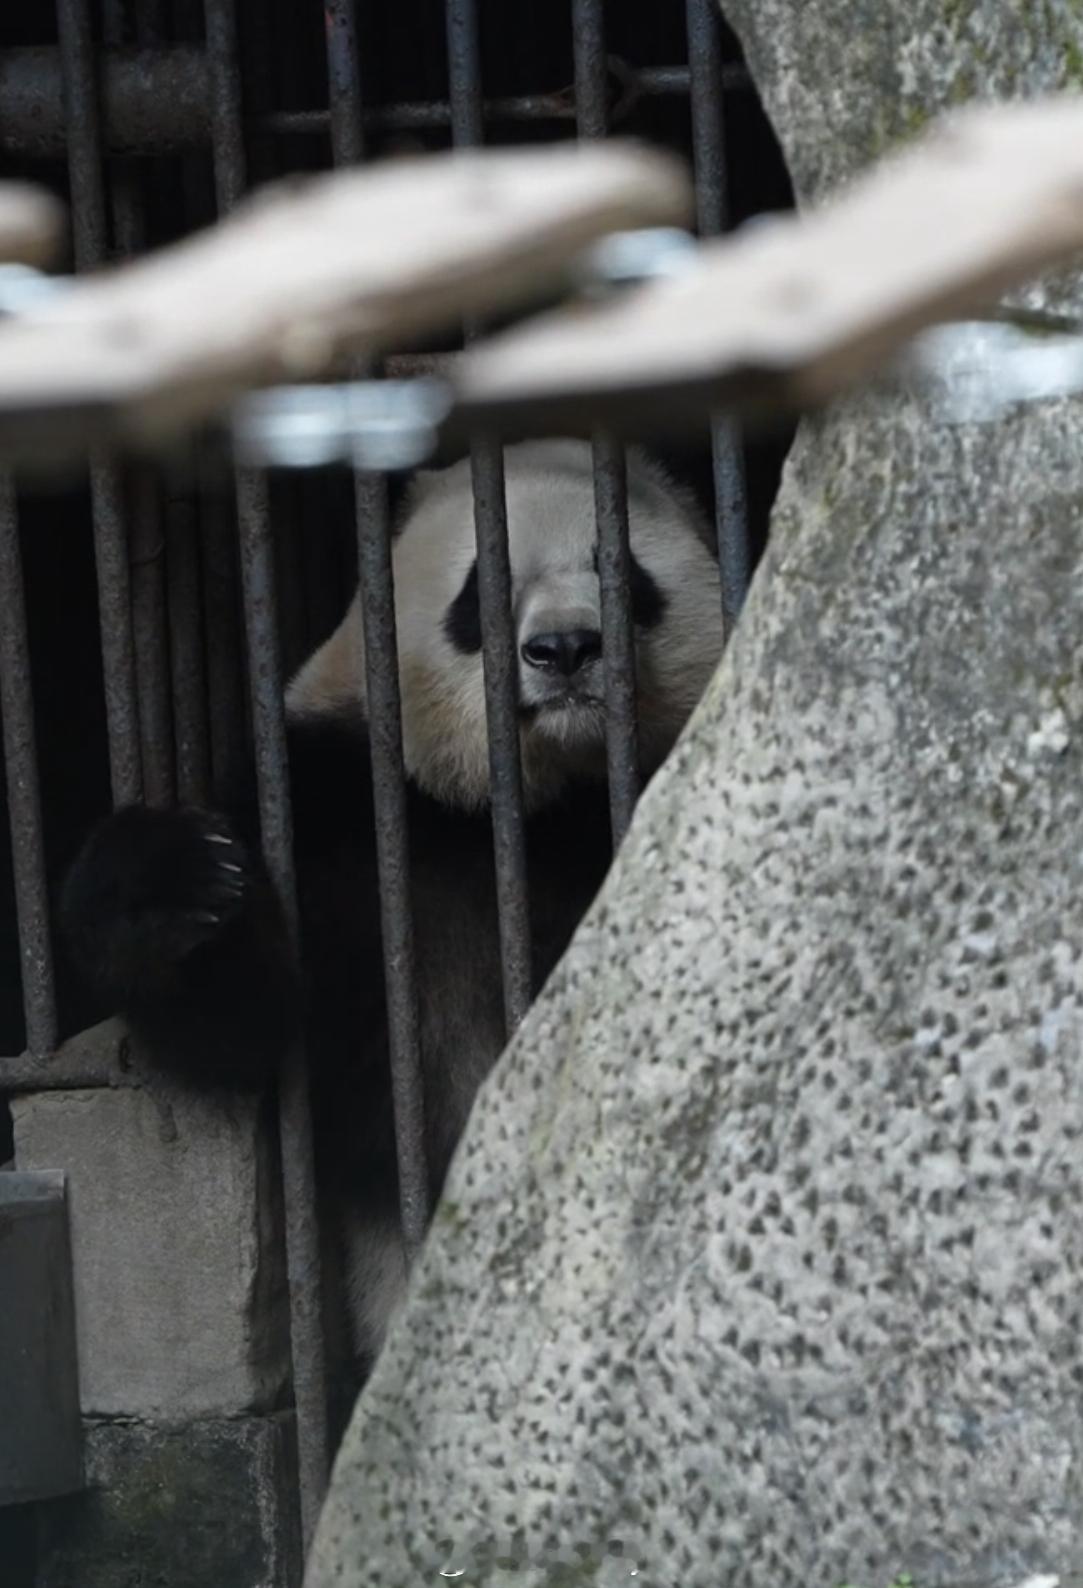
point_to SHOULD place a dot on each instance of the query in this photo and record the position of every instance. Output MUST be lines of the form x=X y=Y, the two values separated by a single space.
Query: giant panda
x=171 y=915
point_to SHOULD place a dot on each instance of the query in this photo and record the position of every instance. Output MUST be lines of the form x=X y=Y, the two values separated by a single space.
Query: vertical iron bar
x=618 y=633
x=276 y=827
x=591 y=68
x=610 y=482
x=23 y=794
x=147 y=540
x=186 y=651
x=499 y=649
x=385 y=718
x=712 y=206
x=501 y=664
x=151 y=649
x=225 y=656
x=107 y=505
x=392 y=854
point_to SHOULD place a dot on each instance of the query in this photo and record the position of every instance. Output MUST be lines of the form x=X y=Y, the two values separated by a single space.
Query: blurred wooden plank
x=31 y=225
x=307 y=275
x=787 y=312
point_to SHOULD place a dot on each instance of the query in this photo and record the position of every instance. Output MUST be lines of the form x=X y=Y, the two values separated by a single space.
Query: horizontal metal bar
x=99 y=1056
x=156 y=100
x=153 y=100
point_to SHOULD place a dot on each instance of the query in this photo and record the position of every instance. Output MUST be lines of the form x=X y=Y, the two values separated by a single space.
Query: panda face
x=552 y=545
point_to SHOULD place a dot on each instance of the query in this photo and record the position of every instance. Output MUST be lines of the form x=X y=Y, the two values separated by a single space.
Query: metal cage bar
x=86 y=174
x=385 y=719
x=186 y=653
x=151 y=645
x=495 y=595
x=147 y=535
x=707 y=88
x=156 y=101
x=610 y=483
x=23 y=793
x=307 y=1343
x=618 y=633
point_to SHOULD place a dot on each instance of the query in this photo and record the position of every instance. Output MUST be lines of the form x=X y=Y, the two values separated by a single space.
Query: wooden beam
x=308 y=275
x=31 y=225
x=790 y=310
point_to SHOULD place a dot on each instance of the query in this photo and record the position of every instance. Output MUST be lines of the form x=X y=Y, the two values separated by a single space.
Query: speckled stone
x=760 y=1264
x=845 y=81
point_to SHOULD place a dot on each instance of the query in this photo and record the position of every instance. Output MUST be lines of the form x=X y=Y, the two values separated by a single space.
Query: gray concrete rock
x=178 y=1273
x=760 y=1264
x=209 y=1505
x=844 y=81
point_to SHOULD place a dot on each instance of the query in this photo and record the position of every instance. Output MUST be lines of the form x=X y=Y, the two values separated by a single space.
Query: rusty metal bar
x=610 y=483
x=189 y=675
x=501 y=663
x=147 y=539
x=153 y=101
x=23 y=793
x=618 y=633
x=393 y=858
x=276 y=827
x=224 y=642
x=106 y=493
x=499 y=648
x=151 y=648
x=385 y=718
x=707 y=88
x=157 y=101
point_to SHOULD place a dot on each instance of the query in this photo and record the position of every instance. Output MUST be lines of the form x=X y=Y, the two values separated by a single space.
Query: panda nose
x=565 y=652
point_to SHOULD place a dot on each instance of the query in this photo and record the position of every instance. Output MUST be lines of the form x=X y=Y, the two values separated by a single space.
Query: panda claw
x=229 y=865
x=205 y=917
x=218 y=838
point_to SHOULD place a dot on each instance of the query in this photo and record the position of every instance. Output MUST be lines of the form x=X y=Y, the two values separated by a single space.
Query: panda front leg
x=173 y=922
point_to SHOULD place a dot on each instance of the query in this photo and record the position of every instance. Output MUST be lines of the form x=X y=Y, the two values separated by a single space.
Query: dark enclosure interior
x=160 y=184
x=176 y=538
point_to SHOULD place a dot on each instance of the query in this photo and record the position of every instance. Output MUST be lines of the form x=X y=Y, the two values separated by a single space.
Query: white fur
x=551 y=537
x=375 y=1264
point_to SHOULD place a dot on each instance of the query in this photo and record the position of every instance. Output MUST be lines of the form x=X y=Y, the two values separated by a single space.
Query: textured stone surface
x=843 y=81
x=210 y=1505
x=177 y=1274
x=761 y=1262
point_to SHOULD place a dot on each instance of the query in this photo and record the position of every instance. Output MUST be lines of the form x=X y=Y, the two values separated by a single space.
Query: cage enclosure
x=148 y=619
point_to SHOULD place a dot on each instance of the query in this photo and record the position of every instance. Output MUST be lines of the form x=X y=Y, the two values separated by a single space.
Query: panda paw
x=149 y=888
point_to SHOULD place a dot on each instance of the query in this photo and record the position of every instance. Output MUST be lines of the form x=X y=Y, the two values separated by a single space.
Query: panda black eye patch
x=462 y=620
x=648 y=602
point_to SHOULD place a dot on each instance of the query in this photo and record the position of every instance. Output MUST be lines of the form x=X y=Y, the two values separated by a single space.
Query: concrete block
x=207 y=1505
x=40 y=1435
x=179 y=1287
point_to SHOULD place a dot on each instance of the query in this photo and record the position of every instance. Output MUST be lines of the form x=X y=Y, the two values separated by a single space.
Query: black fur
x=199 y=959
x=462 y=621
x=648 y=602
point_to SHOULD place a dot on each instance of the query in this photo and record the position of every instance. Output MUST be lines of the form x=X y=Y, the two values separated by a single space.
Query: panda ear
x=407 y=495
